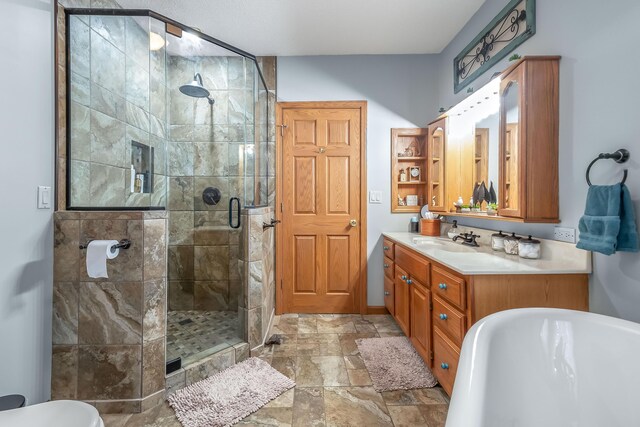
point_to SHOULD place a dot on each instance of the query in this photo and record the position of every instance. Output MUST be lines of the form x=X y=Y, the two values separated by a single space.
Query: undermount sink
x=426 y=241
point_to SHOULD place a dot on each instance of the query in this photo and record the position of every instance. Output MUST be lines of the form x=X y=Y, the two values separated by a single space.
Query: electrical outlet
x=564 y=234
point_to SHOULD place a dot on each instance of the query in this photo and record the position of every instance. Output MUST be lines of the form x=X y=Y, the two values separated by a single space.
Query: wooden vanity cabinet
x=528 y=150
x=435 y=306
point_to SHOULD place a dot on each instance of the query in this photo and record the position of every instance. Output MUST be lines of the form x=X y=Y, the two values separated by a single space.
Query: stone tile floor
x=333 y=387
x=191 y=332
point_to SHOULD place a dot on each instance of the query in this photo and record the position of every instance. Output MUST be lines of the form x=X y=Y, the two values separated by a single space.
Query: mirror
x=473 y=151
x=511 y=102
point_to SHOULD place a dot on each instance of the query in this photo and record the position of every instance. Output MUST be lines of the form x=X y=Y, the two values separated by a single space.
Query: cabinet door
x=421 y=320
x=402 y=297
x=389 y=290
x=512 y=154
x=435 y=166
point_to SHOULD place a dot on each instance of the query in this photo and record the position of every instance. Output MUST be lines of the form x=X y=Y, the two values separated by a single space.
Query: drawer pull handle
x=444 y=365
x=409 y=282
x=442 y=286
x=386 y=265
x=443 y=316
x=403 y=277
x=386 y=293
x=386 y=248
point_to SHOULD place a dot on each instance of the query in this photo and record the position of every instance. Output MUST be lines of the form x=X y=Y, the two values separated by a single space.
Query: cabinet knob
x=444 y=365
x=386 y=265
x=409 y=282
x=403 y=277
x=443 y=316
x=386 y=293
x=442 y=286
x=386 y=248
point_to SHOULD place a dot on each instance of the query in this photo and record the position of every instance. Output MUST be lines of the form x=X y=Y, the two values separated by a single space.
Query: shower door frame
x=129 y=12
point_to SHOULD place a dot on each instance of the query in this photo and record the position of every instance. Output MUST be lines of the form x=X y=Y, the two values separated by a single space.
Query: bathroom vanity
x=437 y=289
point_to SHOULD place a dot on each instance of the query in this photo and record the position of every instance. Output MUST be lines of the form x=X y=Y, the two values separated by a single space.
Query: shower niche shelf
x=141 y=180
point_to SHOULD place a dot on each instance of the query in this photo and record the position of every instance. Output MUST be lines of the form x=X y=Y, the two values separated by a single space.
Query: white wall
x=599 y=110
x=26 y=161
x=400 y=90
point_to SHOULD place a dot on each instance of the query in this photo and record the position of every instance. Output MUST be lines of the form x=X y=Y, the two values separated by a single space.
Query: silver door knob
x=353 y=223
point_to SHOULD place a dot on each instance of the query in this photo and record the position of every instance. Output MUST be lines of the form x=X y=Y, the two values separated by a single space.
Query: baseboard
x=377 y=309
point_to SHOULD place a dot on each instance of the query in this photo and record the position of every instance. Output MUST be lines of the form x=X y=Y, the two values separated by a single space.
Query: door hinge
x=280 y=284
x=281 y=207
x=282 y=129
x=430 y=305
x=431 y=355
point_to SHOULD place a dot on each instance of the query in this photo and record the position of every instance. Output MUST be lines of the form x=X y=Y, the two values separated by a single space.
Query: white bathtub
x=540 y=367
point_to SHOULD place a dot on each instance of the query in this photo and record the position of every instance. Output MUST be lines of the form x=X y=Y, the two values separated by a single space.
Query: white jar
x=529 y=248
x=497 y=241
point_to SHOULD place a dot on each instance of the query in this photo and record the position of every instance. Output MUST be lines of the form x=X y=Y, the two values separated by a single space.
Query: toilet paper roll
x=98 y=252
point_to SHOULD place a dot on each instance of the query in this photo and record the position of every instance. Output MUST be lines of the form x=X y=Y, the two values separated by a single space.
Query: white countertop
x=557 y=257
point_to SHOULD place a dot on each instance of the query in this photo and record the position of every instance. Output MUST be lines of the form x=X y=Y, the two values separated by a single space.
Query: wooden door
x=402 y=301
x=421 y=319
x=322 y=210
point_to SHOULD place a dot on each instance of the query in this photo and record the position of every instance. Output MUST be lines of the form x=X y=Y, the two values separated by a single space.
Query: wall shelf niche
x=409 y=169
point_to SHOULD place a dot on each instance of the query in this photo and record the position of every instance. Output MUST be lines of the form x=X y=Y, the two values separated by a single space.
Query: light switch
x=375 y=197
x=44 y=197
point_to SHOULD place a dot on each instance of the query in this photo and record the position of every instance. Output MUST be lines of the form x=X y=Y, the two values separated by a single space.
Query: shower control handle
x=231 y=224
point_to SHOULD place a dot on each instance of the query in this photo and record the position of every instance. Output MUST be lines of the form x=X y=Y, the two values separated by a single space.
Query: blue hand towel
x=608 y=223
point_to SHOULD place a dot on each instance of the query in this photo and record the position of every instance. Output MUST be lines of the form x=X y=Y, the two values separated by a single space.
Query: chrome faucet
x=468 y=239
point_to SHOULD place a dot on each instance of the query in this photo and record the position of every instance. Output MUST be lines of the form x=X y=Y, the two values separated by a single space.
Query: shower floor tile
x=193 y=334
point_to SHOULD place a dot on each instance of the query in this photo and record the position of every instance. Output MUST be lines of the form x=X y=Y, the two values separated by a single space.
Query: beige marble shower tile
x=109 y=372
x=210 y=159
x=211 y=295
x=181 y=228
x=180 y=295
x=155 y=249
x=181 y=263
x=66 y=250
x=211 y=262
x=64 y=372
x=153 y=367
x=180 y=193
x=127 y=267
x=155 y=309
x=65 y=313
x=110 y=313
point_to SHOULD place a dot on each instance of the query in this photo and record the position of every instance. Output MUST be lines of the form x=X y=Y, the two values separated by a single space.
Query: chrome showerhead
x=195 y=89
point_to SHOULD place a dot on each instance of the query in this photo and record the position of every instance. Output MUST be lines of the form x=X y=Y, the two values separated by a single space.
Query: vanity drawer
x=388 y=268
x=449 y=320
x=389 y=301
x=414 y=264
x=445 y=359
x=449 y=287
x=388 y=248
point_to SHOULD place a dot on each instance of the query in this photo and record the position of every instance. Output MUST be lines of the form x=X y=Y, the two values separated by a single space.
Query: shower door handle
x=237 y=225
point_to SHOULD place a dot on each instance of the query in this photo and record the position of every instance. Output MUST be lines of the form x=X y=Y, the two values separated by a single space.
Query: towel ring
x=619 y=156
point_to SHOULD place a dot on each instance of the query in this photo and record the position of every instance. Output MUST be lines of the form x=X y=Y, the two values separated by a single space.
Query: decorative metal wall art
x=508 y=30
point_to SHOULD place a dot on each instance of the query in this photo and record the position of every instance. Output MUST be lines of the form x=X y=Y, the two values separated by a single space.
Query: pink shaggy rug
x=394 y=364
x=229 y=396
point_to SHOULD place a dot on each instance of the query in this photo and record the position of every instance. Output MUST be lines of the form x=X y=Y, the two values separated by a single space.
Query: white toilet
x=57 y=413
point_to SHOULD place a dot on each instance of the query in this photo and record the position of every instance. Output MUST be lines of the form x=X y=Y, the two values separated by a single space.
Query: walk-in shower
x=142 y=138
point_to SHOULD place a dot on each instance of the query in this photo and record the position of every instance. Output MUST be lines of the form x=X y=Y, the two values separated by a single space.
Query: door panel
x=421 y=320
x=402 y=297
x=321 y=182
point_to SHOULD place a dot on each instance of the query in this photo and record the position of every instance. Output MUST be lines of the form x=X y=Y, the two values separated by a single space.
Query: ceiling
x=322 y=27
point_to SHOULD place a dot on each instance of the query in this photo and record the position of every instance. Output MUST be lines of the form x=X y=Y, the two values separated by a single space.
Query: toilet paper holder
x=123 y=244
